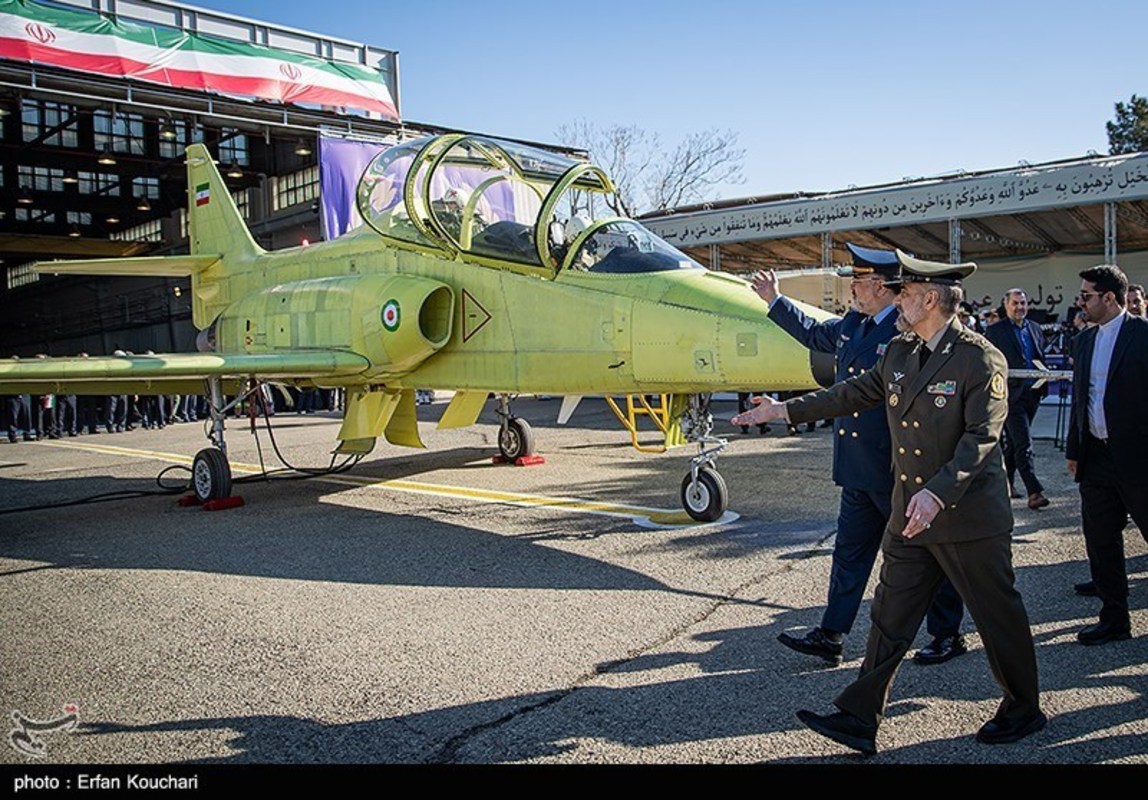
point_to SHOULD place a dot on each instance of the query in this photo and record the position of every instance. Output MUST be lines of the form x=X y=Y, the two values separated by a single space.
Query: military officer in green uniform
x=946 y=398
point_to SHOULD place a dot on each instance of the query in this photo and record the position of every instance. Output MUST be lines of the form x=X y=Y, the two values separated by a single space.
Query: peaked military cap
x=868 y=261
x=917 y=270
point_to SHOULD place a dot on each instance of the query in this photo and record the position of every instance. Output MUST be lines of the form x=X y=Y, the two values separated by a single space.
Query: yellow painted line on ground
x=641 y=515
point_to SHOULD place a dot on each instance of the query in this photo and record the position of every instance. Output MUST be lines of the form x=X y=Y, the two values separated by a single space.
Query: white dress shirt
x=1098 y=376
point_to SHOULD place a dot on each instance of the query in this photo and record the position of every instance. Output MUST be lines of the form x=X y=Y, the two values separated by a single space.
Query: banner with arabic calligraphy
x=89 y=42
x=1012 y=192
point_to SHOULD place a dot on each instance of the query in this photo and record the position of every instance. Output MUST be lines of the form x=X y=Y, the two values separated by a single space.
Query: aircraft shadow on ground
x=296 y=536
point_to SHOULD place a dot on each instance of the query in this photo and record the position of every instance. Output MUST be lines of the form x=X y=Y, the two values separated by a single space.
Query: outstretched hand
x=765 y=284
x=765 y=410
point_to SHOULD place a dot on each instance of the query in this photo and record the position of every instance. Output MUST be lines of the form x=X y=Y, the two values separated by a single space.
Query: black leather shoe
x=941 y=649
x=1103 y=633
x=1015 y=493
x=814 y=643
x=843 y=728
x=1086 y=589
x=1004 y=731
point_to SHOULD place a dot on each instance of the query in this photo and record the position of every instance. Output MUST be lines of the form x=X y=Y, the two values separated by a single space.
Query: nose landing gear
x=703 y=493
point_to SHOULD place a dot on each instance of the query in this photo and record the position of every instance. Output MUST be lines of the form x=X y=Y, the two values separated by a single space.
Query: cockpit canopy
x=485 y=198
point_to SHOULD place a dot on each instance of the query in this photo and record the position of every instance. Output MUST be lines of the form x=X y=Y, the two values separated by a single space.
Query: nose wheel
x=704 y=494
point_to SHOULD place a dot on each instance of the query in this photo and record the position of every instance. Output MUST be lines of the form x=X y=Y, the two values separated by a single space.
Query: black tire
x=517 y=440
x=210 y=475
x=706 y=501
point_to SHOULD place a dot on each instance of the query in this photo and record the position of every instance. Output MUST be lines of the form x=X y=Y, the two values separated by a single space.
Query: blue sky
x=822 y=94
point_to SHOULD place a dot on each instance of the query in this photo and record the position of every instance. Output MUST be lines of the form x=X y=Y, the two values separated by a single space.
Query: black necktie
x=925 y=353
x=866 y=326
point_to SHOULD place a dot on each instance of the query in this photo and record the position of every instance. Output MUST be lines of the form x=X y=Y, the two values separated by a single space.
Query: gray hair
x=948 y=298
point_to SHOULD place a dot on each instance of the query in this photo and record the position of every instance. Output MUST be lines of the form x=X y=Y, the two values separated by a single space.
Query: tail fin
x=215 y=226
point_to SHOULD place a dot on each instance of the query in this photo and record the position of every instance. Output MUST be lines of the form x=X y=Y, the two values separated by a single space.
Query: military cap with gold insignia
x=869 y=261
x=920 y=271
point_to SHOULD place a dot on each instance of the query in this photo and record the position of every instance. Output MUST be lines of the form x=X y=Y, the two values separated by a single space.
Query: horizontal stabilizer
x=143 y=266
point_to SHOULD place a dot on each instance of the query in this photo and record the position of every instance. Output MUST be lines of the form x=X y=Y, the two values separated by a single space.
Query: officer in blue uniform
x=862 y=457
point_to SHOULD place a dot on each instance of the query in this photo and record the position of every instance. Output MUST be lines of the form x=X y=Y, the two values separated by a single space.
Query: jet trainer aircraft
x=479 y=270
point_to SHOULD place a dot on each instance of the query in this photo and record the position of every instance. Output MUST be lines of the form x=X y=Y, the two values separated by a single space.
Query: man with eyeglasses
x=1107 y=440
x=943 y=389
x=861 y=457
x=1022 y=342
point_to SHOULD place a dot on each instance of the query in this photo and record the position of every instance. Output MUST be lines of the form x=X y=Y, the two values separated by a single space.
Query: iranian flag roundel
x=391 y=315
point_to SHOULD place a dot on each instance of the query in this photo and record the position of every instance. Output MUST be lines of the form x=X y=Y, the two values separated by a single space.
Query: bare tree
x=649 y=179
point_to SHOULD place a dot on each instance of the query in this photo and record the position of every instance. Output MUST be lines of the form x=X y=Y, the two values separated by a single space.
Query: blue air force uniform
x=862 y=456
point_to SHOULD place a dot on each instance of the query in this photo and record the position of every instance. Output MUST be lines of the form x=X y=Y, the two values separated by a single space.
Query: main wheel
x=705 y=500
x=516 y=440
x=210 y=475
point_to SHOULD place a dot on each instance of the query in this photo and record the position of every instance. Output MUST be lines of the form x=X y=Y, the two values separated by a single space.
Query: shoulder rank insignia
x=947 y=388
x=997 y=390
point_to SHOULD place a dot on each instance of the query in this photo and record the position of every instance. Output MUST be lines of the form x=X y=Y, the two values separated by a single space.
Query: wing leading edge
x=170 y=372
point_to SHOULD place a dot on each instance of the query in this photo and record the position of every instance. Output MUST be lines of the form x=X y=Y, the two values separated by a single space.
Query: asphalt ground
x=435 y=608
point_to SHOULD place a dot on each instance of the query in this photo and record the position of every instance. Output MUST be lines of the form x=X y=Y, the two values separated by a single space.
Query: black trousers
x=67 y=414
x=861 y=521
x=1018 y=441
x=1106 y=502
x=983 y=574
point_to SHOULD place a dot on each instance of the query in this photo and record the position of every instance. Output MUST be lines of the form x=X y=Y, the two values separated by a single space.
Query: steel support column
x=715 y=257
x=1109 y=233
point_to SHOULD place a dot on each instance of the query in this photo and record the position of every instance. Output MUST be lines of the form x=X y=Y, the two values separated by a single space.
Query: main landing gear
x=515 y=436
x=704 y=494
x=210 y=470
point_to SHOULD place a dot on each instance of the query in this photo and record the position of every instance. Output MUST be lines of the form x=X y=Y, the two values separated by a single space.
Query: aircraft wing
x=160 y=266
x=169 y=373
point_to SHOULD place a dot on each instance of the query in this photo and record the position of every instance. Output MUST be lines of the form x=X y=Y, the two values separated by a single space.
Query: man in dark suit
x=861 y=457
x=945 y=397
x=1022 y=342
x=1107 y=441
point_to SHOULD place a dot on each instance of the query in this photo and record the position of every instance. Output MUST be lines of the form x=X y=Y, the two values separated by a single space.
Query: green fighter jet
x=480 y=269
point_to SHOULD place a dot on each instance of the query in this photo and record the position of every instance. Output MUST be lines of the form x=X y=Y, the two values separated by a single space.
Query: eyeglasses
x=1083 y=296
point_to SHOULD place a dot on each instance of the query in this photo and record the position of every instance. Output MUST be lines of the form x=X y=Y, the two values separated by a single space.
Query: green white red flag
x=90 y=42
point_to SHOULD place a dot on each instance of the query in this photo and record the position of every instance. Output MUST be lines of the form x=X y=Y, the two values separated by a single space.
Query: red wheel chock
x=521 y=461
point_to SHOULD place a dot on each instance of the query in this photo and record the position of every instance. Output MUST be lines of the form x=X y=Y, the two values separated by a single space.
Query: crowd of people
x=54 y=416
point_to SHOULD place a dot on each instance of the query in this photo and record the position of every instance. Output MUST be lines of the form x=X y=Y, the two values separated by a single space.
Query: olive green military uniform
x=945 y=418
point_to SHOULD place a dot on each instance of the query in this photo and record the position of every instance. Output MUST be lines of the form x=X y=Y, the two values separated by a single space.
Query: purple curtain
x=341 y=164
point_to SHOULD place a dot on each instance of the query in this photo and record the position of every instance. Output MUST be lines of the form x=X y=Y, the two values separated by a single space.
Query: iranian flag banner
x=90 y=42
